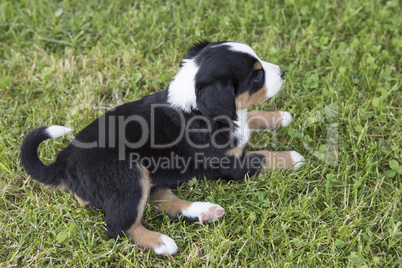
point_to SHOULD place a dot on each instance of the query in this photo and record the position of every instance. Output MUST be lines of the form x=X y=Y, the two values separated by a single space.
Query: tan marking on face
x=257 y=65
x=166 y=202
x=139 y=234
x=81 y=201
x=237 y=151
x=245 y=100
x=264 y=120
x=275 y=160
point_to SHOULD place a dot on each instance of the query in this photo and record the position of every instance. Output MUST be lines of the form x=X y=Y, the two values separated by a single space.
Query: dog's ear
x=216 y=99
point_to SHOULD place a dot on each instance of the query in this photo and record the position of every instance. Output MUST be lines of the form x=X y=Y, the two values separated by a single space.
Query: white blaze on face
x=273 y=79
x=181 y=91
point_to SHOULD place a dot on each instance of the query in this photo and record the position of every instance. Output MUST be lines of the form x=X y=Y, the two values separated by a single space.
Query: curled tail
x=50 y=174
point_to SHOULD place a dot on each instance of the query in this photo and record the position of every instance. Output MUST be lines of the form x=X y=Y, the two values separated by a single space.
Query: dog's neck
x=241 y=130
x=181 y=91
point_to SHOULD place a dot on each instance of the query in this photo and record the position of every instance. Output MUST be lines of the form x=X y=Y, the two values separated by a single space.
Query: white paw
x=298 y=160
x=167 y=246
x=286 y=118
x=204 y=211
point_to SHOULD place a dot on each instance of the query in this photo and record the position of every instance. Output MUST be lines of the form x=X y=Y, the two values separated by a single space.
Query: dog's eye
x=259 y=76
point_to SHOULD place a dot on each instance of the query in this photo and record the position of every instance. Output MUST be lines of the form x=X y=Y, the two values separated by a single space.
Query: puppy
x=197 y=127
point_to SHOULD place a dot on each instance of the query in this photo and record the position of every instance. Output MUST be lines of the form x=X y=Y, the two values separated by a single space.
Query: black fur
x=49 y=175
x=216 y=99
x=103 y=172
x=197 y=47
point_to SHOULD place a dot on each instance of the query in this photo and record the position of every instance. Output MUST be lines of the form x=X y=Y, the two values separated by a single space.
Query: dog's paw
x=297 y=159
x=204 y=212
x=166 y=246
x=286 y=118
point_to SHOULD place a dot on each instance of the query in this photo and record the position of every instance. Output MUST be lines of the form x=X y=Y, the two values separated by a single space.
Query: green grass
x=66 y=62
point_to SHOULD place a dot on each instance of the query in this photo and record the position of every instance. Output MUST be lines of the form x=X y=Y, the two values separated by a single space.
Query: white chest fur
x=241 y=130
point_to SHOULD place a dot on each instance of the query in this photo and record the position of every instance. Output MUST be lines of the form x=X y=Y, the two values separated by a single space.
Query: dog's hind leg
x=125 y=217
x=164 y=201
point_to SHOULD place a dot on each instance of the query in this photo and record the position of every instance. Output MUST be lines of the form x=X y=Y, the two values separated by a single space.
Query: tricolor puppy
x=197 y=127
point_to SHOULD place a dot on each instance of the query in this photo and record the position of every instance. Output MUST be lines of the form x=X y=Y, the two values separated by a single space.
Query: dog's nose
x=281 y=72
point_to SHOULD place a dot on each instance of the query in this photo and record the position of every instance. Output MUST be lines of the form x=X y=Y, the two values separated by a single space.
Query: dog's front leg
x=255 y=163
x=268 y=120
x=271 y=160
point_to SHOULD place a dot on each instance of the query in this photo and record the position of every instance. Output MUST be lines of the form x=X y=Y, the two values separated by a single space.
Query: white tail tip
x=57 y=131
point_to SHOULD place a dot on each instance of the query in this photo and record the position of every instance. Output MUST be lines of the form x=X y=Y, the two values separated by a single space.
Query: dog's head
x=221 y=78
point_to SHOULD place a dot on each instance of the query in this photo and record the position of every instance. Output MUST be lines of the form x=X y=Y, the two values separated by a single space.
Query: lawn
x=67 y=62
